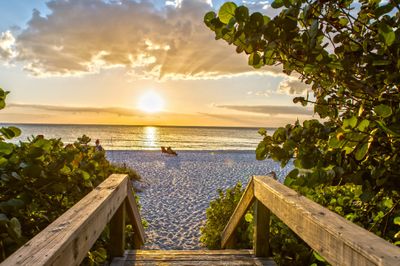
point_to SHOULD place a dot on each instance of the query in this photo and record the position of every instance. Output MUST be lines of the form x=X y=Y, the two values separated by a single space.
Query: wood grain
x=241 y=209
x=261 y=230
x=339 y=241
x=67 y=240
x=139 y=237
x=117 y=233
x=190 y=257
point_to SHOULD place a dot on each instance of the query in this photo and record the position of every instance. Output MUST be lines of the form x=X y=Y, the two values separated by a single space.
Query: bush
x=287 y=248
x=42 y=178
x=218 y=215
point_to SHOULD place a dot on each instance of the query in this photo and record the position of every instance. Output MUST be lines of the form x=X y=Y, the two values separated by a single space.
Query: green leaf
x=261 y=151
x=85 y=175
x=10 y=132
x=242 y=14
x=362 y=151
x=388 y=203
x=277 y=4
x=396 y=220
x=383 y=110
x=386 y=32
x=279 y=135
x=248 y=217
x=383 y=10
x=381 y=62
x=15 y=226
x=350 y=122
x=3 y=161
x=318 y=257
x=6 y=148
x=363 y=125
x=208 y=17
x=262 y=131
x=254 y=59
x=226 y=12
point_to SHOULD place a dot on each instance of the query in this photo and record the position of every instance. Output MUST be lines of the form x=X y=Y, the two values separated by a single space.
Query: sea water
x=116 y=137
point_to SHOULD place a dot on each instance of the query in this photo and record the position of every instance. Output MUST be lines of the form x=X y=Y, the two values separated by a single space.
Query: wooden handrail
x=67 y=240
x=338 y=240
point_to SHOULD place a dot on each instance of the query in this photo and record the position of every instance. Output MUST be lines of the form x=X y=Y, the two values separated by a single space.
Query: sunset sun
x=151 y=102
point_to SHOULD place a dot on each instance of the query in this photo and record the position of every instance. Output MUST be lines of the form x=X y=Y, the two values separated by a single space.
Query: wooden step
x=190 y=257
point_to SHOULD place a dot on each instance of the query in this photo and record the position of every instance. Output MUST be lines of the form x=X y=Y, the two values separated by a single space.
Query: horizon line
x=130 y=125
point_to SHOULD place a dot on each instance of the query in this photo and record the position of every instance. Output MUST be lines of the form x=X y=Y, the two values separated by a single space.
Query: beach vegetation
x=218 y=215
x=348 y=53
x=42 y=178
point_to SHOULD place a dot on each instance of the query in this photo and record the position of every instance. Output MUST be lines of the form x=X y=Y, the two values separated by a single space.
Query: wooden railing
x=68 y=239
x=339 y=241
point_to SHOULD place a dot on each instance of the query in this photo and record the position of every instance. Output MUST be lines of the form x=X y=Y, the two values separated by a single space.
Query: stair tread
x=190 y=257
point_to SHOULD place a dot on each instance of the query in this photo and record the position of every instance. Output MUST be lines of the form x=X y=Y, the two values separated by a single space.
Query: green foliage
x=218 y=215
x=349 y=54
x=42 y=178
x=287 y=248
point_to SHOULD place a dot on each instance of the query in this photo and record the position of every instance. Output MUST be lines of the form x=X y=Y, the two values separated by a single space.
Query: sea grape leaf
x=383 y=110
x=242 y=13
x=6 y=148
x=363 y=125
x=362 y=151
x=386 y=33
x=10 y=132
x=350 y=122
x=277 y=4
x=226 y=12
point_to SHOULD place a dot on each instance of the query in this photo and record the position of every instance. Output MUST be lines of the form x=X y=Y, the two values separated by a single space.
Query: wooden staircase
x=68 y=239
x=190 y=257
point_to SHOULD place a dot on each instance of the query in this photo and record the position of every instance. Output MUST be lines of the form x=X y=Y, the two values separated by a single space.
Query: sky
x=96 y=61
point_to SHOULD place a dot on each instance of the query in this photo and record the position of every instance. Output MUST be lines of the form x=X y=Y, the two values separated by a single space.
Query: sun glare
x=151 y=102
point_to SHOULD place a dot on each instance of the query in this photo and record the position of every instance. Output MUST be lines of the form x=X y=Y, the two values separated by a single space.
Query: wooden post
x=261 y=230
x=117 y=232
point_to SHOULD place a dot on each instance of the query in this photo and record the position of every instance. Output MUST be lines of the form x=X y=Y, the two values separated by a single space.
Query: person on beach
x=98 y=146
x=168 y=151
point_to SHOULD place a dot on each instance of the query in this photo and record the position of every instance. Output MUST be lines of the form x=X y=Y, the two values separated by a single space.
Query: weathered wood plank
x=146 y=252
x=261 y=230
x=139 y=237
x=190 y=257
x=336 y=239
x=67 y=240
x=117 y=233
x=244 y=204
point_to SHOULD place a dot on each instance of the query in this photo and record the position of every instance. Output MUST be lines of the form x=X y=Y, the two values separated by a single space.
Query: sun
x=151 y=102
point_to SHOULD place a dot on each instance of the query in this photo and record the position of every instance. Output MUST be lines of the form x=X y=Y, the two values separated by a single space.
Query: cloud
x=79 y=37
x=7 y=42
x=82 y=109
x=293 y=86
x=269 y=109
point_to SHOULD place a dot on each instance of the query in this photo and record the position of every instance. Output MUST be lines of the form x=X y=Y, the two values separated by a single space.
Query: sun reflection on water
x=151 y=137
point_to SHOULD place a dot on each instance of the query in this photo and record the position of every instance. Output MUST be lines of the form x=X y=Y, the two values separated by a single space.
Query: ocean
x=116 y=137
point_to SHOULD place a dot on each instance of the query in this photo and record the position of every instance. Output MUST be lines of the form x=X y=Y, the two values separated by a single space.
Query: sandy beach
x=176 y=191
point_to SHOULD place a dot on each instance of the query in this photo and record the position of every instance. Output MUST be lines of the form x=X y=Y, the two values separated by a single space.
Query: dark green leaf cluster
x=348 y=53
x=42 y=178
